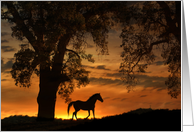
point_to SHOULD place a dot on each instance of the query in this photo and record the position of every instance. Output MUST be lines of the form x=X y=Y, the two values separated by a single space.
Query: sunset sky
x=105 y=79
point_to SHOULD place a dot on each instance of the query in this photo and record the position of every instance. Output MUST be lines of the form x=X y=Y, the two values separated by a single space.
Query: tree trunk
x=47 y=96
x=49 y=82
x=46 y=101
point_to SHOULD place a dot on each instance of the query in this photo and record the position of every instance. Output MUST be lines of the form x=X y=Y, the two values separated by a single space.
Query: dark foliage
x=152 y=28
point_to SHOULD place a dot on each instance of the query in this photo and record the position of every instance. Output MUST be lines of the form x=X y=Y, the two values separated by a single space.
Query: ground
x=138 y=120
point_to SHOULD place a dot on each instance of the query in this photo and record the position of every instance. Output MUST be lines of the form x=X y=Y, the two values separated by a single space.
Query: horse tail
x=70 y=104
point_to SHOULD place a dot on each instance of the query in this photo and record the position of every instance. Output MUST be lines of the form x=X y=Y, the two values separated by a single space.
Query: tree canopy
x=150 y=26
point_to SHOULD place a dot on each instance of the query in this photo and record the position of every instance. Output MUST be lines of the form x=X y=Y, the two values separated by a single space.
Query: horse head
x=99 y=97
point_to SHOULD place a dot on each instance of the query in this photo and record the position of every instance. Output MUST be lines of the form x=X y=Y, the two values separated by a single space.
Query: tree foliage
x=152 y=25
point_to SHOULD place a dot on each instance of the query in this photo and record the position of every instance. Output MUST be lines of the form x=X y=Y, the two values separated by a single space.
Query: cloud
x=3 y=79
x=90 y=46
x=168 y=103
x=117 y=75
x=4 y=41
x=152 y=81
x=145 y=80
x=4 y=34
x=7 y=65
x=86 y=66
x=6 y=72
x=112 y=31
x=159 y=63
x=102 y=67
x=106 y=98
x=143 y=96
x=8 y=49
x=123 y=99
x=106 y=81
x=106 y=60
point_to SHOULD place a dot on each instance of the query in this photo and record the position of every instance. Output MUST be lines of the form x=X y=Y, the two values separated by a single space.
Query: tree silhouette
x=50 y=27
x=152 y=25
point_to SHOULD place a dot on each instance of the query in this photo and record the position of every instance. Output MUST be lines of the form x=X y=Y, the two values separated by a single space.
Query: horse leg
x=88 y=114
x=76 y=110
x=73 y=115
x=76 y=114
x=93 y=113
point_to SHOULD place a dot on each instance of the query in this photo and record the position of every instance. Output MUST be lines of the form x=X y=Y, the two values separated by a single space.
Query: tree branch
x=147 y=52
x=171 y=23
x=35 y=62
x=20 y=23
x=74 y=53
x=58 y=58
x=156 y=43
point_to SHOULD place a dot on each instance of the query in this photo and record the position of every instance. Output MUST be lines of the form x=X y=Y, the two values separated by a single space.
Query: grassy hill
x=137 y=120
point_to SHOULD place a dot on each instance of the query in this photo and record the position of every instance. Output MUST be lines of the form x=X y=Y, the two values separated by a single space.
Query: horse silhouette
x=85 y=105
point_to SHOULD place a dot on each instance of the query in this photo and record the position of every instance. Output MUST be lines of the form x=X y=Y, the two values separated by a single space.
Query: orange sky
x=104 y=79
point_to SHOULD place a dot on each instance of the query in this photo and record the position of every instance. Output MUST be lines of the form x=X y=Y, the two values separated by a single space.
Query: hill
x=137 y=120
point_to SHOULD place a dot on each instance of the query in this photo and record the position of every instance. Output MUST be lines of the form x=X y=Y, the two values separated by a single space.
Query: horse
x=85 y=105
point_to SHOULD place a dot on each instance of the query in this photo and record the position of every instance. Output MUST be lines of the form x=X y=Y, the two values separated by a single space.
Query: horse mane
x=93 y=96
